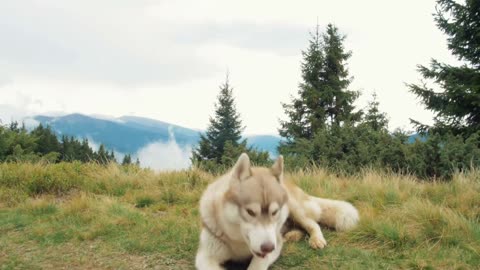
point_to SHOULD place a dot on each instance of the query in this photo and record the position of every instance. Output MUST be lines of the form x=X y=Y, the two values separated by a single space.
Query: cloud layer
x=164 y=156
x=165 y=59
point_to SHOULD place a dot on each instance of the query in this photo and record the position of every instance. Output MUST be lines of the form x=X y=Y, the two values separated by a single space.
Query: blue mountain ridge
x=128 y=134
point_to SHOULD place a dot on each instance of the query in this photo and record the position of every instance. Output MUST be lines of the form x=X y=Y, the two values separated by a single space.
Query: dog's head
x=257 y=202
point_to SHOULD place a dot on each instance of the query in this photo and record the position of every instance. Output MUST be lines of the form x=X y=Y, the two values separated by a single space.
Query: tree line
x=17 y=144
x=324 y=128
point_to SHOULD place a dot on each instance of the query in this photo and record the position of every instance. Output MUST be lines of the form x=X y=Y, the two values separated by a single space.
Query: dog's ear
x=277 y=168
x=241 y=170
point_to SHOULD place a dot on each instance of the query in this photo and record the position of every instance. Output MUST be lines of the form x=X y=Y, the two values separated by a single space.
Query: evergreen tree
x=306 y=113
x=127 y=160
x=111 y=156
x=224 y=127
x=21 y=137
x=67 y=150
x=221 y=145
x=86 y=152
x=14 y=126
x=457 y=105
x=373 y=117
x=17 y=144
x=102 y=155
x=4 y=142
x=339 y=100
x=324 y=100
x=46 y=140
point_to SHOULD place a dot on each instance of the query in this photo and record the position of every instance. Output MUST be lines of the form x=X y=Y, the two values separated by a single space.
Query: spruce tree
x=86 y=152
x=224 y=127
x=324 y=100
x=67 y=152
x=336 y=80
x=306 y=113
x=4 y=142
x=111 y=156
x=457 y=105
x=373 y=117
x=46 y=140
x=127 y=160
x=102 y=155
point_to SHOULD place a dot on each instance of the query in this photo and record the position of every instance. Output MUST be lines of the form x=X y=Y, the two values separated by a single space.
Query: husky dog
x=243 y=213
x=242 y=216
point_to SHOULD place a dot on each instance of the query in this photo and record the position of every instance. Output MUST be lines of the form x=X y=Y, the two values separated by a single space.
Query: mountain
x=267 y=143
x=128 y=134
x=412 y=138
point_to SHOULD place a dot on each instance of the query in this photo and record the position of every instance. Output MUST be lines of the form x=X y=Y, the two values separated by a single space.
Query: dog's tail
x=340 y=215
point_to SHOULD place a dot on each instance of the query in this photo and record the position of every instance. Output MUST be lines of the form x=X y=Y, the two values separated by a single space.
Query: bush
x=349 y=149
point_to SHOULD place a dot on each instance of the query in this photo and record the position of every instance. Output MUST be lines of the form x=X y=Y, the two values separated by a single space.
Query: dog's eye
x=274 y=212
x=250 y=212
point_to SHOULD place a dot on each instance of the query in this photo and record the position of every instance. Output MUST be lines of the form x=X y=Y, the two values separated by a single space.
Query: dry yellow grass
x=87 y=216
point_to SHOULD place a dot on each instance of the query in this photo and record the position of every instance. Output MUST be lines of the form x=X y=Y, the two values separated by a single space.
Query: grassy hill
x=85 y=216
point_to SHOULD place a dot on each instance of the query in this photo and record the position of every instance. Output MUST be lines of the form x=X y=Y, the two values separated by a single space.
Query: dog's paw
x=317 y=242
x=294 y=235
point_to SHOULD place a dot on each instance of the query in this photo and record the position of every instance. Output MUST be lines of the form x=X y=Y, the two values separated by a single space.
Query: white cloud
x=30 y=123
x=9 y=113
x=96 y=145
x=165 y=59
x=164 y=156
x=93 y=144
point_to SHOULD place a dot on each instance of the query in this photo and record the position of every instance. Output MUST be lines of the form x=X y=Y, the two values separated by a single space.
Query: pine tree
x=306 y=113
x=457 y=105
x=67 y=149
x=224 y=127
x=324 y=100
x=111 y=156
x=127 y=160
x=86 y=152
x=14 y=126
x=336 y=79
x=4 y=142
x=46 y=140
x=373 y=117
x=102 y=155
x=21 y=137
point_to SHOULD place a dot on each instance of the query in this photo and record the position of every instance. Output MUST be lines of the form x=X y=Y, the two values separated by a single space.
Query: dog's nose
x=267 y=247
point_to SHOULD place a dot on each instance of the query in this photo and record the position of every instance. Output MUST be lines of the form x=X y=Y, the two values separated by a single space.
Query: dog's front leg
x=211 y=253
x=205 y=262
x=316 y=236
x=300 y=217
x=258 y=263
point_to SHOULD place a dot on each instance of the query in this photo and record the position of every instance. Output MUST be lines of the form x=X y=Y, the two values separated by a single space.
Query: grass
x=86 y=216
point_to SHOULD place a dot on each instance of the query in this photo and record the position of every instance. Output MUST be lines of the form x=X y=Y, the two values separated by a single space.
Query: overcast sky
x=165 y=59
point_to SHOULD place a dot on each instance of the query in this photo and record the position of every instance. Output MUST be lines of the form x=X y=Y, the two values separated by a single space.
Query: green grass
x=85 y=216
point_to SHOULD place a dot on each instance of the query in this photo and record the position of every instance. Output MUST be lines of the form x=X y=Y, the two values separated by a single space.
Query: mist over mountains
x=143 y=137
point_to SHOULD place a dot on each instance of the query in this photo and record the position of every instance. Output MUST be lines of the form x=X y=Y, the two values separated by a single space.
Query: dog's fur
x=308 y=211
x=243 y=213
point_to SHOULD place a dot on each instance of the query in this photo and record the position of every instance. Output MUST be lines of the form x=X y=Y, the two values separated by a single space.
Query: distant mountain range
x=129 y=134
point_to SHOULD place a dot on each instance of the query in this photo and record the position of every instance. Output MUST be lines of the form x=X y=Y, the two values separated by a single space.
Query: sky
x=166 y=59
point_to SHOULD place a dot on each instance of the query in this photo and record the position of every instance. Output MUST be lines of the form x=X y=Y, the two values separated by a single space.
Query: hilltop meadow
x=92 y=216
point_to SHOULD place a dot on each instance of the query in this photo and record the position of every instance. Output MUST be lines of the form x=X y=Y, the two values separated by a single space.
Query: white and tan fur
x=243 y=213
x=308 y=211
